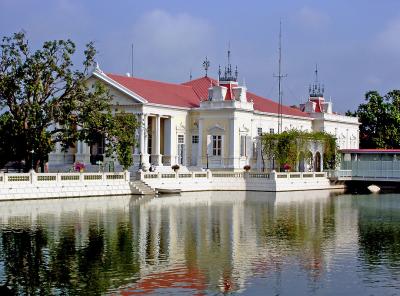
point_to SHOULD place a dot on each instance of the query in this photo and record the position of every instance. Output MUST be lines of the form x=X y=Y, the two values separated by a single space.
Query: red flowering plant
x=79 y=166
x=287 y=167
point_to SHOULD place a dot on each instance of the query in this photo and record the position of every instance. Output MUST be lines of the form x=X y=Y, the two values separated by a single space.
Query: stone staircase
x=142 y=188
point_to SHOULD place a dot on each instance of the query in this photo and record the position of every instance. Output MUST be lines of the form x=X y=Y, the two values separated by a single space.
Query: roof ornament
x=229 y=75
x=316 y=89
x=206 y=66
x=96 y=68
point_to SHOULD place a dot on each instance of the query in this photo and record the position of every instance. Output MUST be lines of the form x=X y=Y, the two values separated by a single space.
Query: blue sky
x=356 y=43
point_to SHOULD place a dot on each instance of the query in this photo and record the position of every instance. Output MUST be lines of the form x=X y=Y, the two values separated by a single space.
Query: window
x=243 y=145
x=216 y=145
x=271 y=131
x=181 y=139
x=195 y=139
x=259 y=131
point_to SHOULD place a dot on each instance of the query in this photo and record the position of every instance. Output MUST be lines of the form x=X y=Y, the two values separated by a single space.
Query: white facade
x=220 y=132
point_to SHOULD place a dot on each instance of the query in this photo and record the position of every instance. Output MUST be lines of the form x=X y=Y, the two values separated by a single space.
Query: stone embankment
x=237 y=181
x=62 y=185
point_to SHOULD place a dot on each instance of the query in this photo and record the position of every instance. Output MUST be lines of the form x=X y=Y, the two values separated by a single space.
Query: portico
x=155 y=145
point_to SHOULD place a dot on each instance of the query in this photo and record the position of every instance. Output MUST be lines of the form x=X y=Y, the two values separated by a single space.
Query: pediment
x=216 y=129
x=180 y=126
x=121 y=95
x=244 y=129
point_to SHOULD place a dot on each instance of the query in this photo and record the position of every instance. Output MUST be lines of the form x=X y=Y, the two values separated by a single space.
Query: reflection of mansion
x=207 y=123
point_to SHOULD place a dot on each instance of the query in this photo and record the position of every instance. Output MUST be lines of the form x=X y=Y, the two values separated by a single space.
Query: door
x=195 y=144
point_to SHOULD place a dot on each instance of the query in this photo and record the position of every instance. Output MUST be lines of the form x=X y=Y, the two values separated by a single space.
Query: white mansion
x=207 y=123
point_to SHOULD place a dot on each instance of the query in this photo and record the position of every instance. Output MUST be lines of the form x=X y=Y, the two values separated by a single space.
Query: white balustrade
x=38 y=178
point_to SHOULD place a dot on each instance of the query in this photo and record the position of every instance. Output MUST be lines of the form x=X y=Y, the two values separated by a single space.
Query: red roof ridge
x=193 y=84
x=148 y=80
x=198 y=79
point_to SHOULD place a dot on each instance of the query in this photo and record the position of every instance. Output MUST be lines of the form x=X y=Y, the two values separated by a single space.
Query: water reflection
x=202 y=243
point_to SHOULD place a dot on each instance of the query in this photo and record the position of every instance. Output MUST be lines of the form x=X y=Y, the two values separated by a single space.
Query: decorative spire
x=316 y=89
x=229 y=75
x=206 y=66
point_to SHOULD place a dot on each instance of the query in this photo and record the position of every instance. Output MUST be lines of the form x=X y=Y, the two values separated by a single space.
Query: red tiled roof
x=190 y=93
x=201 y=86
x=159 y=92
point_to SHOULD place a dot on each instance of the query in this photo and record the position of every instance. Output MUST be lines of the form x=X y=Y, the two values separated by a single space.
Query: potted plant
x=79 y=167
x=287 y=167
x=175 y=167
x=247 y=167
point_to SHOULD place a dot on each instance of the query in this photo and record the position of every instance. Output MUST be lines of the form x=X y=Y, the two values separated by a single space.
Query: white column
x=143 y=141
x=200 y=144
x=158 y=159
x=168 y=141
x=141 y=134
x=233 y=143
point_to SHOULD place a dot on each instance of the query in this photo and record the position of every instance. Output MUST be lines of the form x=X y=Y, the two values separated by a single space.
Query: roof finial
x=229 y=53
x=190 y=74
x=206 y=65
x=229 y=74
x=316 y=89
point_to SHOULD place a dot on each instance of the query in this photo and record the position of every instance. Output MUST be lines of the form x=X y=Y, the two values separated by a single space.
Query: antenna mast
x=132 y=59
x=280 y=76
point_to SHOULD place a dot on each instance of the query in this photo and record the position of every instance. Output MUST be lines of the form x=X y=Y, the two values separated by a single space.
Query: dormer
x=239 y=93
x=217 y=93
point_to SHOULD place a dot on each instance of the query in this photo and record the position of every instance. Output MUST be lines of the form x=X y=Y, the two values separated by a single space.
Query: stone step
x=143 y=188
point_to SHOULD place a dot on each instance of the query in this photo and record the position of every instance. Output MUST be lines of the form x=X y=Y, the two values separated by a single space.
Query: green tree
x=289 y=146
x=124 y=138
x=380 y=120
x=44 y=99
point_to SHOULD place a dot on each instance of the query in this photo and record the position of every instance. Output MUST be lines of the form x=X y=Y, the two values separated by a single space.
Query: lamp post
x=32 y=152
x=140 y=160
x=207 y=160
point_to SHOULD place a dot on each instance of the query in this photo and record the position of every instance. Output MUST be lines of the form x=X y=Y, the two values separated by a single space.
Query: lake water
x=208 y=243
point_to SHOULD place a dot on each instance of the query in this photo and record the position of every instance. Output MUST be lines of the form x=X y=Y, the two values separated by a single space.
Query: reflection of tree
x=379 y=231
x=91 y=263
x=122 y=255
x=63 y=261
x=42 y=262
x=25 y=265
x=301 y=229
x=380 y=241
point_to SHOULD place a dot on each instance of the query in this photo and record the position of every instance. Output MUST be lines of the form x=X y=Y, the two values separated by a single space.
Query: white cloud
x=389 y=39
x=167 y=45
x=312 y=18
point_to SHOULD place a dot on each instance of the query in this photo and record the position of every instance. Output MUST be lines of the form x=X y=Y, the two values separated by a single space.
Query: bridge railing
x=373 y=169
